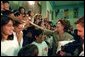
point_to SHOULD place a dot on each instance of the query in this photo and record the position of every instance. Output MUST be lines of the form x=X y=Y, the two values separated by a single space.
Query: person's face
x=59 y=27
x=8 y=28
x=43 y=37
x=22 y=11
x=6 y=6
x=80 y=30
x=37 y=21
x=39 y=39
x=42 y=24
x=19 y=28
x=32 y=14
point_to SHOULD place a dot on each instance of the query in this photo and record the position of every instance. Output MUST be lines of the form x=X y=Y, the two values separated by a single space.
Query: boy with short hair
x=40 y=43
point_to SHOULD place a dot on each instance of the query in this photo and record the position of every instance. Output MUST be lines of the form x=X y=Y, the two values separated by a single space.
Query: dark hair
x=20 y=9
x=7 y=12
x=16 y=23
x=29 y=13
x=4 y=21
x=80 y=21
x=38 y=32
x=66 y=24
x=5 y=2
x=29 y=50
x=16 y=14
x=40 y=23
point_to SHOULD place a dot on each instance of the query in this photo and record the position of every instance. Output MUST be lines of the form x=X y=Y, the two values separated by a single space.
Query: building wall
x=70 y=12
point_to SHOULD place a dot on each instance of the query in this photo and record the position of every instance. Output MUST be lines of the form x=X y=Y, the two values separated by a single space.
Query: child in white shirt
x=40 y=43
